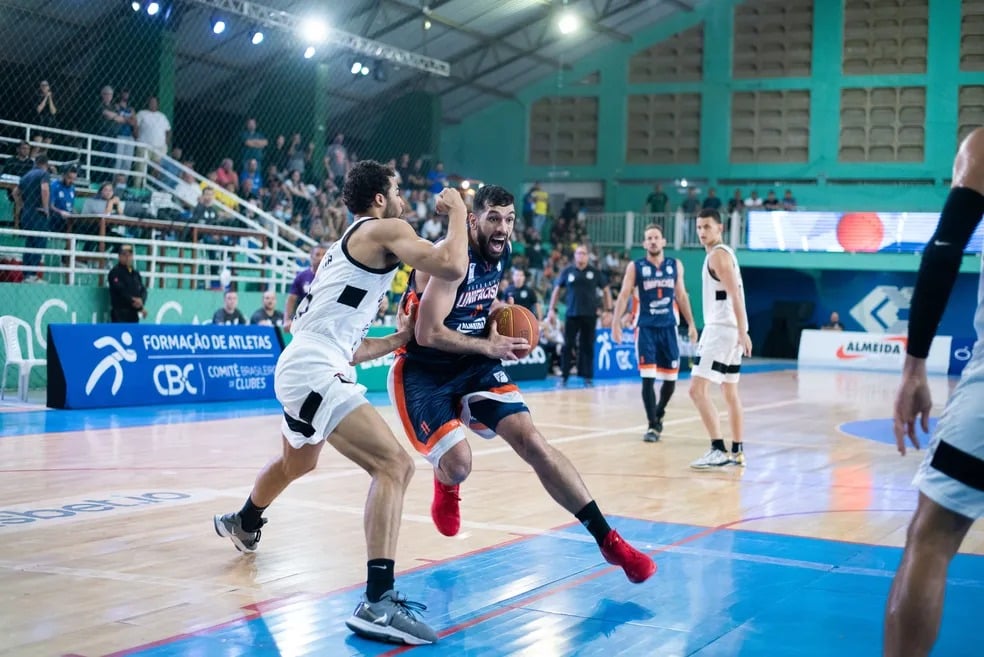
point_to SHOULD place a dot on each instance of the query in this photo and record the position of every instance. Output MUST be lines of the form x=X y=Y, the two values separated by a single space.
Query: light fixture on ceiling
x=153 y=8
x=309 y=52
x=218 y=24
x=313 y=31
x=569 y=22
x=256 y=37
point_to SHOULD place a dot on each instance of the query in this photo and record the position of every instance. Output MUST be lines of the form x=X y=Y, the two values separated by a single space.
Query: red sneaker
x=638 y=567
x=444 y=508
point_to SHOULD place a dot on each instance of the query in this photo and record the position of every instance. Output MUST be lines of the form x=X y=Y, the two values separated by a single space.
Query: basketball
x=860 y=232
x=517 y=322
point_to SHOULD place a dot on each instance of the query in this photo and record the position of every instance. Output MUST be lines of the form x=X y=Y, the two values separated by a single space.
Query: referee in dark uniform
x=582 y=282
x=127 y=293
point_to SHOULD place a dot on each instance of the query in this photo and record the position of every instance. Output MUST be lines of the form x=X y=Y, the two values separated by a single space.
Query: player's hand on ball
x=449 y=199
x=503 y=347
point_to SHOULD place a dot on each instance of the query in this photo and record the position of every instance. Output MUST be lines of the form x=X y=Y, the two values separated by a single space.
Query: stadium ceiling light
x=218 y=25
x=427 y=24
x=356 y=67
x=135 y=5
x=153 y=8
x=365 y=70
x=569 y=22
x=313 y=30
x=309 y=52
x=256 y=37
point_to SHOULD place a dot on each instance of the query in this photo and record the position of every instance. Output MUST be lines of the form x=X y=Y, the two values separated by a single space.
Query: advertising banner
x=867 y=351
x=615 y=360
x=110 y=365
x=961 y=350
x=852 y=232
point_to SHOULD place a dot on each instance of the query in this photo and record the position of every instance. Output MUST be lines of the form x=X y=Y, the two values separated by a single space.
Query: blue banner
x=960 y=352
x=108 y=365
x=615 y=360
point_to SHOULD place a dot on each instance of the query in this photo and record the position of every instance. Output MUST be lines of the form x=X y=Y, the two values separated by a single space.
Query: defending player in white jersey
x=315 y=383
x=951 y=477
x=722 y=344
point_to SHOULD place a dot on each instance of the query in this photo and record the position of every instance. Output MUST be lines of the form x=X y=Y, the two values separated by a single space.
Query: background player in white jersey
x=722 y=344
x=951 y=477
x=315 y=383
x=659 y=282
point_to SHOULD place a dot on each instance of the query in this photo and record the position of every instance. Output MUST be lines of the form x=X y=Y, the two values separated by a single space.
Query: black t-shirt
x=523 y=296
x=30 y=187
x=582 y=287
x=222 y=317
x=260 y=316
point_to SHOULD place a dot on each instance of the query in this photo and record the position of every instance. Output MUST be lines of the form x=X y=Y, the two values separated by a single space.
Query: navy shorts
x=435 y=405
x=658 y=352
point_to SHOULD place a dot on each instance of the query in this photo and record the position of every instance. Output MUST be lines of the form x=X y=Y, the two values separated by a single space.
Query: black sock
x=718 y=443
x=250 y=515
x=665 y=392
x=736 y=447
x=649 y=399
x=590 y=516
x=380 y=579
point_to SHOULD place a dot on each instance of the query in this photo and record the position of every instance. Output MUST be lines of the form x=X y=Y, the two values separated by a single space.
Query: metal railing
x=624 y=230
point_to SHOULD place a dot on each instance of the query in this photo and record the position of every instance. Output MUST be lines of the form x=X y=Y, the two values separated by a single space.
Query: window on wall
x=971 y=106
x=663 y=129
x=773 y=38
x=972 y=35
x=882 y=124
x=885 y=36
x=770 y=126
x=677 y=59
x=564 y=130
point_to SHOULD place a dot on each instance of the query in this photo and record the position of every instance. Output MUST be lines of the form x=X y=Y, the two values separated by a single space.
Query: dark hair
x=710 y=214
x=653 y=227
x=489 y=196
x=366 y=179
x=41 y=160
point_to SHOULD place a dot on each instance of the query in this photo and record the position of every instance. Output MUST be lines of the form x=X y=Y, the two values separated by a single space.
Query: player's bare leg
x=736 y=419
x=717 y=456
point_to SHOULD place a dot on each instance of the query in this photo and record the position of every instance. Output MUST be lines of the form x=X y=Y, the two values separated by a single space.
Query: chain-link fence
x=217 y=156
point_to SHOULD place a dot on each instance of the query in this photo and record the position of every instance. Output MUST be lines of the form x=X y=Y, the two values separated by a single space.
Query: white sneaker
x=714 y=458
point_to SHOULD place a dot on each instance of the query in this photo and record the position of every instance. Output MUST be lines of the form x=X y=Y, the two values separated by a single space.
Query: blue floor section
x=882 y=430
x=23 y=423
x=725 y=593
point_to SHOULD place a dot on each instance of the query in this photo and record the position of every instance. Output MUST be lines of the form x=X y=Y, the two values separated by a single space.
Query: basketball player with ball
x=450 y=376
x=659 y=282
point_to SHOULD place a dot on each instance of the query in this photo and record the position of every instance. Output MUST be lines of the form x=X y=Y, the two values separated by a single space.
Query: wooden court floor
x=107 y=546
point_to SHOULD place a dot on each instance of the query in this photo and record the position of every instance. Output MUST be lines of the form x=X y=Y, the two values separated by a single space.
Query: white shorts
x=316 y=386
x=952 y=473
x=718 y=355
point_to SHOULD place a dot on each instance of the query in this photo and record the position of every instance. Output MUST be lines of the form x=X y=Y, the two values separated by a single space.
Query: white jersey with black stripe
x=344 y=297
x=717 y=307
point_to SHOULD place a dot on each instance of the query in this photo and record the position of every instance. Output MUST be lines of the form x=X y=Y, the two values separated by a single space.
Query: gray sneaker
x=231 y=526
x=392 y=620
x=714 y=458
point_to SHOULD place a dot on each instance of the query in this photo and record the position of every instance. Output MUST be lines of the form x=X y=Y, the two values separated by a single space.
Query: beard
x=489 y=254
x=395 y=208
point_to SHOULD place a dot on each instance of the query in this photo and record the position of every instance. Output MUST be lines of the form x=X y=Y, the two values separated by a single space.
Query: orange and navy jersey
x=656 y=287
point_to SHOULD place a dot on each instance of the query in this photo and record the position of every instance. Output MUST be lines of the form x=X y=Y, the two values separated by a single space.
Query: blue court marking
x=717 y=593
x=23 y=423
x=882 y=430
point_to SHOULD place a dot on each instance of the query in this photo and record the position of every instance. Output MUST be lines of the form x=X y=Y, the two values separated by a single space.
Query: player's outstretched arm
x=435 y=305
x=373 y=348
x=622 y=302
x=447 y=259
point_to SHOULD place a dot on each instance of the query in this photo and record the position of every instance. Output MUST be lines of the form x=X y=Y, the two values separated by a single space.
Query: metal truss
x=261 y=15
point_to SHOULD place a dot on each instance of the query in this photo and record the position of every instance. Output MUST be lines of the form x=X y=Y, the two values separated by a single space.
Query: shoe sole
x=650 y=439
x=386 y=634
x=709 y=466
x=221 y=531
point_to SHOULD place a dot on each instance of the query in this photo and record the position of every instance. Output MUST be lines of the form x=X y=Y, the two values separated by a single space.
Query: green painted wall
x=492 y=145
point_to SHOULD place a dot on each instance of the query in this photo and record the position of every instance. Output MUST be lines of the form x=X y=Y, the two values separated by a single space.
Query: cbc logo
x=172 y=380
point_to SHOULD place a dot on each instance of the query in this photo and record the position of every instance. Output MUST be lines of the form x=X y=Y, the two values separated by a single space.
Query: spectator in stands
x=45 y=108
x=788 y=201
x=657 y=200
x=541 y=207
x=300 y=195
x=712 y=202
x=108 y=123
x=229 y=314
x=736 y=203
x=128 y=131
x=268 y=315
x=433 y=229
x=690 y=204
x=277 y=156
x=206 y=211
x=172 y=173
x=403 y=171
x=771 y=203
x=523 y=295
x=63 y=199
x=154 y=130
x=295 y=154
x=753 y=202
x=302 y=285
x=34 y=194
x=17 y=166
x=225 y=175
x=187 y=190
x=552 y=341
x=418 y=176
x=105 y=203
x=337 y=160
x=127 y=293
x=253 y=143
x=834 y=324
x=252 y=172
x=437 y=179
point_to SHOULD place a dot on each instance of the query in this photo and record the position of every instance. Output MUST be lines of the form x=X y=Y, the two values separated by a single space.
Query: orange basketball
x=517 y=322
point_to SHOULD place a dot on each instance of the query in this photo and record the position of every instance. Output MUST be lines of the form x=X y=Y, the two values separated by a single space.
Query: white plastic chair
x=10 y=328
